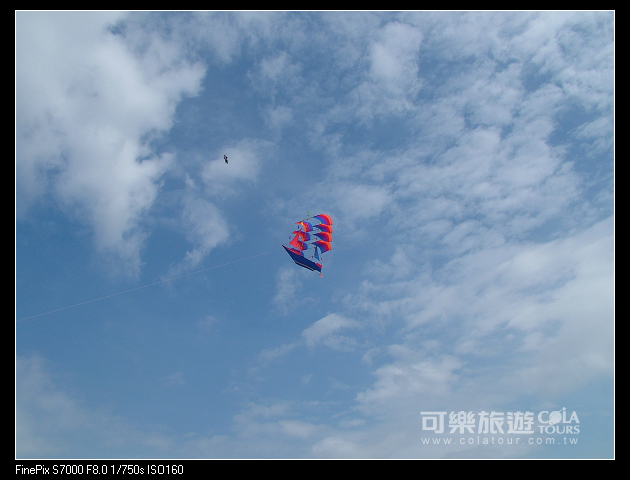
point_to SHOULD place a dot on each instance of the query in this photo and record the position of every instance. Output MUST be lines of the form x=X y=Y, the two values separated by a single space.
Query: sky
x=467 y=162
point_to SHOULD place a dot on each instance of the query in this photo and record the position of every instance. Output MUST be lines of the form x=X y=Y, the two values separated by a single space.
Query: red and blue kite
x=304 y=240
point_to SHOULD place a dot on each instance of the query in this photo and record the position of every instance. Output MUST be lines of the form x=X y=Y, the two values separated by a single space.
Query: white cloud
x=222 y=33
x=324 y=331
x=550 y=302
x=400 y=266
x=336 y=447
x=40 y=409
x=394 y=57
x=294 y=428
x=204 y=225
x=288 y=284
x=271 y=354
x=598 y=135
x=420 y=379
x=245 y=159
x=87 y=102
x=582 y=349
x=50 y=423
x=205 y=228
x=273 y=68
x=173 y=380
x=360 y=201
x=393 y=82
x=278 y=117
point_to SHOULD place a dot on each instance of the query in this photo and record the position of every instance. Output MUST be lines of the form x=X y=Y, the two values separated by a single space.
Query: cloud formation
x=89 y=101
x=466 y=159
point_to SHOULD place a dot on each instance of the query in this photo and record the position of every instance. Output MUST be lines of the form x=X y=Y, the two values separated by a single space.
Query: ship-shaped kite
x=312 y=238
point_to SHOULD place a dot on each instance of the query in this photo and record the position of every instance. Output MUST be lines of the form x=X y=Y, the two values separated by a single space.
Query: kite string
x=138 y=288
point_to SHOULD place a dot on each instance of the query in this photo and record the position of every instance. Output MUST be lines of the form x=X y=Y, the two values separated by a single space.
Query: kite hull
x=302 y=261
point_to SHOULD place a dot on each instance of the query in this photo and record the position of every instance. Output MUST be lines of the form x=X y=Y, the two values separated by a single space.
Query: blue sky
x=466 y=160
